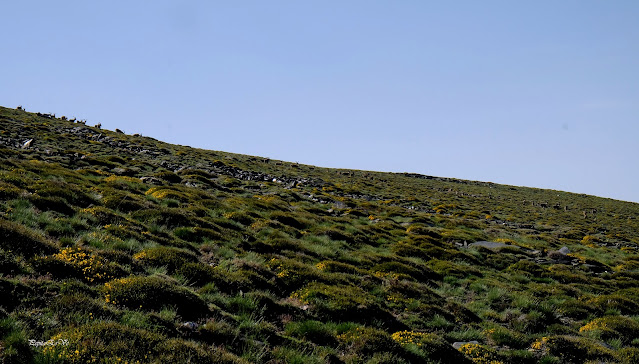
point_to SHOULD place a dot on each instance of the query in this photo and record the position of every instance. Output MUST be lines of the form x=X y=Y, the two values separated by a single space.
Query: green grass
x=347 y=266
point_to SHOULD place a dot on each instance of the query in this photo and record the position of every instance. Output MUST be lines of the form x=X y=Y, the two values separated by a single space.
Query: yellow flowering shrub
x=103 y=342
x=409 y=337
x=161 y=192
x=92 y=267
x=480 y=354
x=621 y=327
x=113 y=179
x=571 y=349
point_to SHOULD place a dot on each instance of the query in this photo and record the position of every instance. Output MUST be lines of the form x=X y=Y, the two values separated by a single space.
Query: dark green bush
x=104 y=340
x=102 y=215
x=182 y=351
x=218 y=332
x=169 y=257
x=289 y=219
x=168 y=176
x=8 y=191
x=170 y=217
x=573 y=349
x=124 y=202
x=625 y=304
x=364 y=342
x=20 y=240
x=10 y=263
x=404 y=249
x=73 y=194
x=613 y=327
x=447 y=268
x=154 y=293
x=198 y=274
x=52 y=203
x=337 y=301
x=421 y=274
x=197 y=234
x=332 y=266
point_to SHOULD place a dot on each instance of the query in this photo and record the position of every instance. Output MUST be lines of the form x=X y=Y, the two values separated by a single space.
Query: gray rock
x=564 y=250
x=459 y=344
x=151 y=180
x=190 y=325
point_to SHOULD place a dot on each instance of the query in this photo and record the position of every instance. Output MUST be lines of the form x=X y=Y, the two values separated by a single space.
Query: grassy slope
x=219 y=257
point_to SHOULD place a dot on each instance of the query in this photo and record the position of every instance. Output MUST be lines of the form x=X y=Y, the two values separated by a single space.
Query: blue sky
x=538 y=93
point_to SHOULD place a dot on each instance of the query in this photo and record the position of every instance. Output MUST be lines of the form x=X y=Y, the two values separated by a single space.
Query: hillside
x=122 y=248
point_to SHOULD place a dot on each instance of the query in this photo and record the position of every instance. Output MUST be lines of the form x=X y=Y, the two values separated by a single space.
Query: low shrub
x=292 y=274
x=243 y=217
x=198 y=274
x=163 y=256
x=428 y=346
x=154 y=293
x=8 y=191
x=332 y=266
x=167 y=216
x=19 y=239
x=10 y=263
x=102 y=215
x=314 y=331
x=404 y=249
x=51 y=203
x=528 y=267
x=124 y=202
x=423 y=229
x=502 y=336
x=168 y=176
x=447 y=268
x=363 y=342
x=613 y=327
x=107 y=341
x=572 y=349
x=290 y=220
x=73 y=194
x=78 y=263
x=401 y=270
x=167 y=193
x=197 y=234
x=480 y=354
x=336 y=301
x=624 y=304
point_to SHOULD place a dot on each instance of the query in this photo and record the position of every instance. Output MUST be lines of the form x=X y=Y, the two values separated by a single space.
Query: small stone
x=564 y=250
x=190 y=325
x=459 y=344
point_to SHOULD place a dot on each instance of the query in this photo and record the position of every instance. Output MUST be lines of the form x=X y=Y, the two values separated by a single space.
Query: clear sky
x=531 y=93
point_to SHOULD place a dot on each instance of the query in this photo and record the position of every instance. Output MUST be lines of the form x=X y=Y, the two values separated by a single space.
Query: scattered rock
x=151 y=180
x=459 y=344
x=190 y=325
